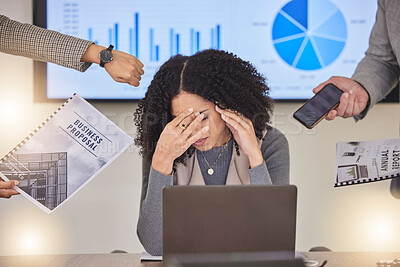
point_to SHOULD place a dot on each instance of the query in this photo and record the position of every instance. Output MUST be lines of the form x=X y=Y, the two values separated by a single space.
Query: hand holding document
x=63 y=154
x=7 y=188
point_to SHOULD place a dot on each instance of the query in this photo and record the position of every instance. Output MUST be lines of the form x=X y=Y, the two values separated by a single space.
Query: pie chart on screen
x=309 y=34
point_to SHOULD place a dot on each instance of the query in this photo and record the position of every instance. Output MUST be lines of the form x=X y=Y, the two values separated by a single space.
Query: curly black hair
x=217 y=76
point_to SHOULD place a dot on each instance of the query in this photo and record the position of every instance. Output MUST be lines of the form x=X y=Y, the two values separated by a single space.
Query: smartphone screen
x=316 y=108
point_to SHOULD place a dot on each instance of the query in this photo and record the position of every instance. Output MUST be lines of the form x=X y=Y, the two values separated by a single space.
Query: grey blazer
x=379 y=70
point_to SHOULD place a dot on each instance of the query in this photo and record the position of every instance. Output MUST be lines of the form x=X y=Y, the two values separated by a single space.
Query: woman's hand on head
x=6 y=188
x=177 y=136
x=244 y=134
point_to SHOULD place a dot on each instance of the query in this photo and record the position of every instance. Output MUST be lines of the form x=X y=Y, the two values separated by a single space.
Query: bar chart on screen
x=306 y=40
x=154 y=49
x=153 y=31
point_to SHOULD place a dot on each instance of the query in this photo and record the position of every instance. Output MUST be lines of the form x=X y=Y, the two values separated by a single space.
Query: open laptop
x=226 y=219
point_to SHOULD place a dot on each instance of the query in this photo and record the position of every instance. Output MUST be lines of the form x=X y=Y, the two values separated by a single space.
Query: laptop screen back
x=218 y=219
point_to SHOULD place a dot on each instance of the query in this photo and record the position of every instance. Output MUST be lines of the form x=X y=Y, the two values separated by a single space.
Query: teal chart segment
x=309 y=34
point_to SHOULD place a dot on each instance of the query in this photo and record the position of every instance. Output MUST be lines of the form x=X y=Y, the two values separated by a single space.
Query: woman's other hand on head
x=243 y=131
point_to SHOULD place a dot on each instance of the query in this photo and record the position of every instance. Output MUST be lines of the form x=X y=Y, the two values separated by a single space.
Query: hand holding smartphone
x=318 y=107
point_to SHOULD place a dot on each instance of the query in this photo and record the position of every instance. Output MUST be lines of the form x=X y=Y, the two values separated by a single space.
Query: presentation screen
x=295 y=44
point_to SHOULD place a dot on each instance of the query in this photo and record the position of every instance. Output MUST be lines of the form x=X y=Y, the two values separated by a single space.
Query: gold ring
x=182 y=126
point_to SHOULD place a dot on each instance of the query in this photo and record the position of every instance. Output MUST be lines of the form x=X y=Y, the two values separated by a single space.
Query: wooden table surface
x=75 y=260
x=335 y=259
x=351 y=259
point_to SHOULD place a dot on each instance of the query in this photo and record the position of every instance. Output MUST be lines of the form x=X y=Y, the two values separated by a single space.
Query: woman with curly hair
x=204 y=121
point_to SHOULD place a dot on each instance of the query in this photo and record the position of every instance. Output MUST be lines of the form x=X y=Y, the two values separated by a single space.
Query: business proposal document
x=63 y=154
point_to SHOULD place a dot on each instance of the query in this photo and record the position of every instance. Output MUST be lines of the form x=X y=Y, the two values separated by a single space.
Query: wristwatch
x=106 y=56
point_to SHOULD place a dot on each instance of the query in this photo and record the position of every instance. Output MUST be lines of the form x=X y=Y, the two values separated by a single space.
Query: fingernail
x=206 y=128
x=197 y=113
x=216 y=107
x=346 y=95
x=351 y=92
x=190 y=109
x=223 y=116
x=201 y=116
x=16 y=183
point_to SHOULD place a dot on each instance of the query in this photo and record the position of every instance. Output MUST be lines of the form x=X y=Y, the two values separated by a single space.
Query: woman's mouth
x=200 y=142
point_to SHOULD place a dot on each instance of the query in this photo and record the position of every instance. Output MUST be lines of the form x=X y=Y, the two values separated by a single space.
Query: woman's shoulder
x=273 y=134
x=274 y=139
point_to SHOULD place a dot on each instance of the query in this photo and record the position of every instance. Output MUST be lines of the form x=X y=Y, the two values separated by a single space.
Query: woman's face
x=217 y=134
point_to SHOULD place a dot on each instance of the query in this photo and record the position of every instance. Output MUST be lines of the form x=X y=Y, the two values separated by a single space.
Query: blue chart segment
x=309 y=34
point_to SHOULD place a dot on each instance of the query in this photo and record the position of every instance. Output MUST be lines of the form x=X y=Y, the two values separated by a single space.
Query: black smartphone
x=318 y=107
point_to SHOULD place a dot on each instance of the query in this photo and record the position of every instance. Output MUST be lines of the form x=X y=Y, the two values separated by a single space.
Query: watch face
x=106 y=56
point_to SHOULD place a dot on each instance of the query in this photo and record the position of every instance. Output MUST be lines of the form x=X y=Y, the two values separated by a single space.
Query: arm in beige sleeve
x=27 y=40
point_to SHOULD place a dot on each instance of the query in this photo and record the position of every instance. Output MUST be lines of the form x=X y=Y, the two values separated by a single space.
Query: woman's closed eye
x=204 y=118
